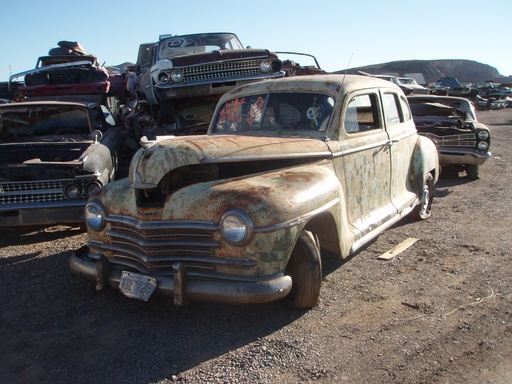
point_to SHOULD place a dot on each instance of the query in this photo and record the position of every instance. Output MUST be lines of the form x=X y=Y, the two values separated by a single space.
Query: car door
x=402 y=137
x=364 y=165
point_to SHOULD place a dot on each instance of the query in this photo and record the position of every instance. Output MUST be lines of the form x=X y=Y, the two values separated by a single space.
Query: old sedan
x=463 y=142
x=288 y=168
x=53 y=155
x=203 y=64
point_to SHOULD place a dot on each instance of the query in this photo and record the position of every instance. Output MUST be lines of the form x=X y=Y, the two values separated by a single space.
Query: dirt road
x=439 y=312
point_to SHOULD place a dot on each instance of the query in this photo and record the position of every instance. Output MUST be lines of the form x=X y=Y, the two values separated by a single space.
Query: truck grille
x=466 y=140
x=31 y=191
x=154 y=246
x=225 y=70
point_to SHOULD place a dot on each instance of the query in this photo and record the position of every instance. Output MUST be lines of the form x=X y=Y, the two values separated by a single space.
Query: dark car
x=53 y=156
x=203 y=64
x=463 y=142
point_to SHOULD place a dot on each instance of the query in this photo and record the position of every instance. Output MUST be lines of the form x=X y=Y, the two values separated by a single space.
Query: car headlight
x=265 y=66
x=92 y=186
x=95 y=215
x=236 y=227
x=483 y=146
x=163 y=77
x=72 y=191
x=177 y=76
x=483 y=135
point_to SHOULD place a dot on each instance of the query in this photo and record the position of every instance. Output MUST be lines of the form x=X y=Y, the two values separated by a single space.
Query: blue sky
x=339 y=33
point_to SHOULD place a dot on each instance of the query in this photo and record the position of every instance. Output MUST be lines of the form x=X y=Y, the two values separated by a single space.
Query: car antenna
x=346 y=69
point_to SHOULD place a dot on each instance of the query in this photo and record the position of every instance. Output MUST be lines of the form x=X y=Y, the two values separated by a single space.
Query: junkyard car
x=69 y=70
x=411 y=83
x=203 y=64
x=288 y=168
x=53 y=155
x=463 y=142
x=300 y=64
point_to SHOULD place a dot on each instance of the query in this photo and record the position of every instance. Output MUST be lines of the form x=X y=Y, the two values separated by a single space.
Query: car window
x=362 y=114
x=275 y=112
x=391 y=109
x=406 y=110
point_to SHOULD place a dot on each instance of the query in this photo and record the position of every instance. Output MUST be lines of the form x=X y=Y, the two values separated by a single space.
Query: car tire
x=424 y=209
x=305 y=269
x=472 y=171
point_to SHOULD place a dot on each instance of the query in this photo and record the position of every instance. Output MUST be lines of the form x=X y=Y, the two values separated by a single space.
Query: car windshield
x=29 y=121
x=199 y=43
x=275 y=112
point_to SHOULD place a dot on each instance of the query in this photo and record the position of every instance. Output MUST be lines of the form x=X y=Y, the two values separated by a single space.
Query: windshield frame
x=175 y=46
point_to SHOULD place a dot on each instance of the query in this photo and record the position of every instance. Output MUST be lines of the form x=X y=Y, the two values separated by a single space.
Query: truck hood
x=157 y=158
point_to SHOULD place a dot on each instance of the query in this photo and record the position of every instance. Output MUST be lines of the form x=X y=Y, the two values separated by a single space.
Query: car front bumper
x=48 y=213
x=180 y=286
x=454 y=156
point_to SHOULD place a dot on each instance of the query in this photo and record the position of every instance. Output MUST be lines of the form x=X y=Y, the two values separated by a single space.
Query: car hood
x=157 y=158
x=221 y=55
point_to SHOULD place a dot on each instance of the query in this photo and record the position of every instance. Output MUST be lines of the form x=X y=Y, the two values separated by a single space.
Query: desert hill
x=466 y=71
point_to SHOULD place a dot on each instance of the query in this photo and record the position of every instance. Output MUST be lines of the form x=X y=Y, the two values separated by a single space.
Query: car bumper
x=184 y=288
x=462 y=157
x=185 y=90
x=59 y=212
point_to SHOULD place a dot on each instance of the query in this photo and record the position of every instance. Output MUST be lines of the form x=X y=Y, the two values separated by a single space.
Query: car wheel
x=472 y=171
x=424 y=209
x=305 y=269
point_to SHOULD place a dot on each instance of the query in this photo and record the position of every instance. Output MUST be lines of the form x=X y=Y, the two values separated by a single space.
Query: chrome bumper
x=182 y=287
x=462 y=157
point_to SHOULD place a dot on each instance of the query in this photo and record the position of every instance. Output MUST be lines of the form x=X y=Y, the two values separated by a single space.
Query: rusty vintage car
x=69 y=70
x=462 y=141
x=53 y=155
x=288 y=168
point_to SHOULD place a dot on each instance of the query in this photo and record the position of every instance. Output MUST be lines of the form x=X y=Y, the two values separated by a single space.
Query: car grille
x=225 y=70
x=466 y=140
x=33 y=191
x=154 y=246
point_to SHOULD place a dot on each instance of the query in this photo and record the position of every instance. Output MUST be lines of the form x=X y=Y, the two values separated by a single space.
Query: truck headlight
x=236 y=227
x=95 y=215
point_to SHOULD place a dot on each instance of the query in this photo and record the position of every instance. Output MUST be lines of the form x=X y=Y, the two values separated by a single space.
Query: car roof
x=334 y=84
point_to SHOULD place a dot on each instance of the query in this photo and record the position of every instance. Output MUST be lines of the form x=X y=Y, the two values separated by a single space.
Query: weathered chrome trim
x=363 y=148
x=163 y=224
x=298 y=155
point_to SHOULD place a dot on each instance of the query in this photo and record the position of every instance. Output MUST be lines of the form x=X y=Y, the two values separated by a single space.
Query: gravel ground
x=439 y=312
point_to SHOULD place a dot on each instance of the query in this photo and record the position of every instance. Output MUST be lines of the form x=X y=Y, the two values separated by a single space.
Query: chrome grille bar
x=467 y=140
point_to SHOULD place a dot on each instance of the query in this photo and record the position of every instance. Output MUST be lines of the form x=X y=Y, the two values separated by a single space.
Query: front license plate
x=137 y=286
